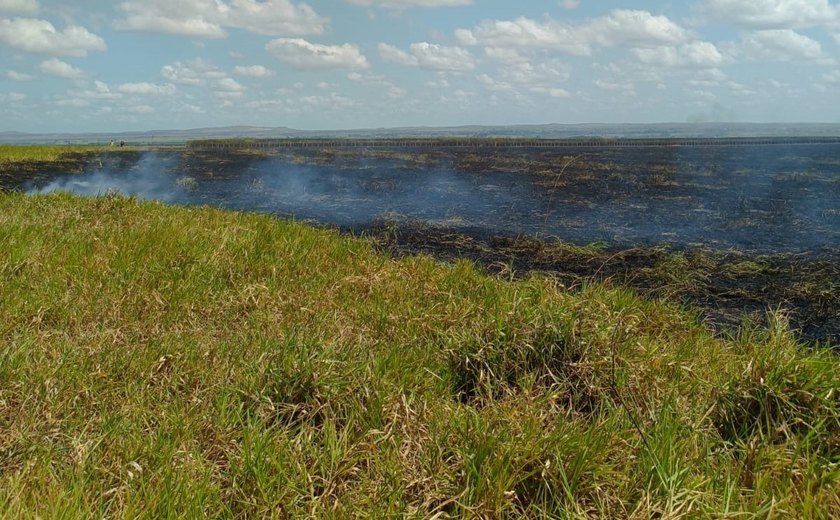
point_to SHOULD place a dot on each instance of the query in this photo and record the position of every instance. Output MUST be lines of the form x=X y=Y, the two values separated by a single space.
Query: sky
x=102 y=66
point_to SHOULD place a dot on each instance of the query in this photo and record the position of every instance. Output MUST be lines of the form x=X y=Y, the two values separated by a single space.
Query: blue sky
x=92 y=65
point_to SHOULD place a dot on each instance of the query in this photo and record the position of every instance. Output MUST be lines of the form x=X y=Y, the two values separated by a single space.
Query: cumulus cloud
x=780 y=45
x=61 y=69
x=229 y=85
x=525 y=32
x=228 y=88
x=377 y=80
x=535 y=77
x=701 y=54
x=147 y=89
x=19 y=6
x=34 y=35
x=17 y=76
x=504 y=55
x=543 y=74
x=771 y=14
x=254 y=71
x=633 y=28
x=620 y=27
x=402 y=4
x=99 y=91
x=89 y=92
x=194 y=72
x=429 y=56
x=302 y=54
x=209 y=18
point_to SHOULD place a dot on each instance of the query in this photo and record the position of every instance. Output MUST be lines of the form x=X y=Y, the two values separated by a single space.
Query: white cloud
x=525 y=32
x=12 y=97
x=377 y=80
x=441 y=83
x=429 y=56
x=504 y=56
x=19 y=6
x=538 y=78
x=186 y=108
x=396 y=92
x=209 y=18
x=739 y=89
x=18 y=76
x=139 y=109
x=633 y=28
x=541 y=74
x=332 y=101
x=228 y=88
x=832 y=77
x=771 y=14
x=34 y=35
x=229 y=85
x=493 y=84
x=302 y=54
x=620 y=27
x=61 y=69
x=780 y=45
x=254 y=71
x=369 y=79
x=72 y=102
x=614 y=86
x=194 y=72
x=708 y=78
x=401 y=4
x=100 y=90
x=558 y=93
x=690 y=55
x=569 y=4
x=396 y=55
x=147 y=89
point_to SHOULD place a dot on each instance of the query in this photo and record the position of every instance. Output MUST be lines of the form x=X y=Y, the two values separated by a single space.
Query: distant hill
x=548 y=131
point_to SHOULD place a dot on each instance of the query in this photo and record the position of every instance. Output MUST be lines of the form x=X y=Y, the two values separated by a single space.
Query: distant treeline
x=245 y=144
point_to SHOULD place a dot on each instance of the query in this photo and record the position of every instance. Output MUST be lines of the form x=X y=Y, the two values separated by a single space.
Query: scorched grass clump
x=188 y=362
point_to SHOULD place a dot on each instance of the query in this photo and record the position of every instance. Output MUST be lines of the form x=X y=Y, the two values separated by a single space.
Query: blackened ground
x=734 y=232
x=727 y=287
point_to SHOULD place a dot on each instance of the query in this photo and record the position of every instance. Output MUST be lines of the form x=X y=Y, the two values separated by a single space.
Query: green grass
x=12 y=154
x=160 y=362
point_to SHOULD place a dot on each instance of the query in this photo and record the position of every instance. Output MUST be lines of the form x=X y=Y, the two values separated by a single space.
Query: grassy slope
x=182 y=362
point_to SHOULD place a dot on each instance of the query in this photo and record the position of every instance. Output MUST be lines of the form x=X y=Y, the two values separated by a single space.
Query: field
x=733 y=231
x=163 y=361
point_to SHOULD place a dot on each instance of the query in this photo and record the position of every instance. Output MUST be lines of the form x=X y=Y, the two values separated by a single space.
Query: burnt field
x=733 y=230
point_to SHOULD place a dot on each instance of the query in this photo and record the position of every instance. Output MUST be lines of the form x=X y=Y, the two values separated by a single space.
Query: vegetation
x=27 y=163
x=12 y=154
x=728 y=286
x=183 y=362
